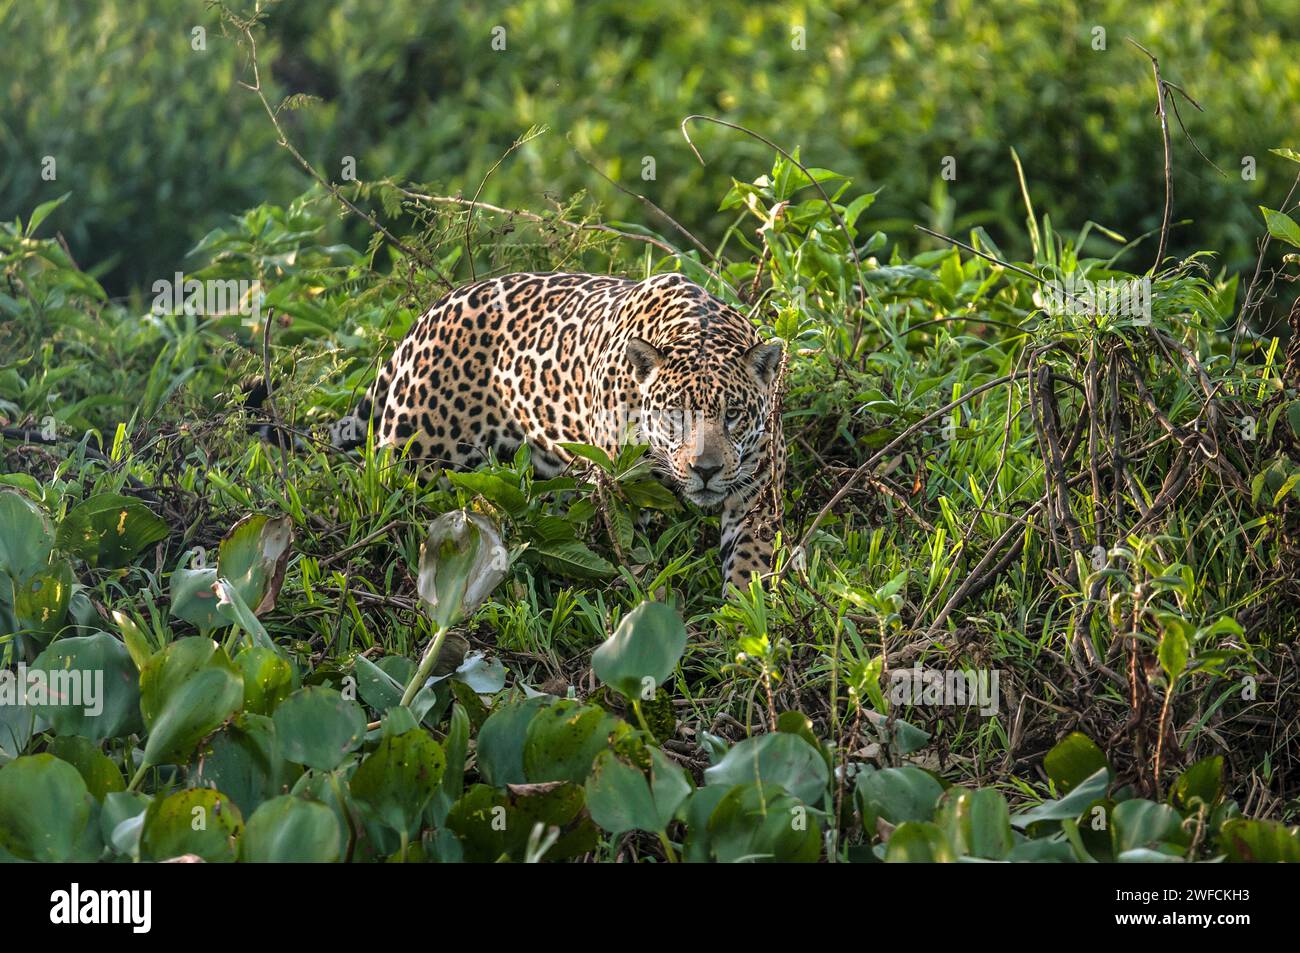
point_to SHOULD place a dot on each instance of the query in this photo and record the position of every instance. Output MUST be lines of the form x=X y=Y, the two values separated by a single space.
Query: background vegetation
x=1101 y=508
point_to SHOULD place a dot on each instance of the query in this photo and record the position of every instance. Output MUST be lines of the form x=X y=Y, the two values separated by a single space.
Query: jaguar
x=549 y=359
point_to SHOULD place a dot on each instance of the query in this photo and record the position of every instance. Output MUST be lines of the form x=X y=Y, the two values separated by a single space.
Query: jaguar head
x=704 y=417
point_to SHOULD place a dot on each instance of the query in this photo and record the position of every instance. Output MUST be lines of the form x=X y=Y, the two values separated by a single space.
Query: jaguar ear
x=764 y=359
x=643 y=358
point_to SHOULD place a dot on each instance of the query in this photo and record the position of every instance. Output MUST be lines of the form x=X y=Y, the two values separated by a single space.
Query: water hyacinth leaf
x=291 y=830
x=120 y=806
x=101 y=774
x=486 y=677
x=397 y=780
x=1141 y=823
x=268 y=679
x=643 y=652
x=26 y=537
x=501 y=742
x=461 y=562
x=493 y=824
x=41 y=599
x=979 y=823
x=17 y=723
x=243 y=761
x=197 y=821
x=774 y=759
x=1072 y=760
x=193 y=599
x=896 y=794
x=762 y=823
x=91 y=687
x=1071 y=806
x=563 y=740
x=1201 y=783
x=621 y=798
x=186 y=691
x=456 y=747
x=253 y=557
x=45 y=810
x=919 y=842
x=1247 y=841
x=108 y=530
x=318 y=727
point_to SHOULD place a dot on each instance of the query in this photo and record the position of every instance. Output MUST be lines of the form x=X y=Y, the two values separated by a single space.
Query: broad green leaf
x=186 y=691
x=397 y=780
x=782 y=760
x=108 y=530
x=45 y=810
x=101 y=775
x=318 y=727
x=1281 y=226
x=1073 y=759
x=197 y=821
x=1202 y=782
x=896 y=795
x=253 y=556
x=919 y=842
x=289 y=829
x=92 y=687
x=268 y=679
x=643 y=652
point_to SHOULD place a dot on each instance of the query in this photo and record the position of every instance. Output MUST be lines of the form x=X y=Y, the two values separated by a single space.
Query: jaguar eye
x=733 y=418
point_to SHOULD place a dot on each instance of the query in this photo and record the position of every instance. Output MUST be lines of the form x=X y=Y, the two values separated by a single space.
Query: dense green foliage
x=1085 y=520
x=160 y=143
x=289 y=730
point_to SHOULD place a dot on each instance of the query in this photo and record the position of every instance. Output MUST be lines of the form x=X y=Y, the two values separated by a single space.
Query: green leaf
x=1281 y=226
x=896 y=795
x=197 y=821
x=253 y=556
x=593 y=454
x=777 y=759
x=243 y=761
x=186 y=691
x=94 y=687
x=291 y=830
x=318 y=727
x=397 y=780
x=762 y=823
x=919 y=842
x=25 y=536
x=107 y=530
x=41 y=599
x=192 y=598
x=1173 y=652
x=268 y=679
x=980 y=823
x=564 y=738
x=1073 y=759
x=575 y=560
x=45 y=810
x=1202 y=782
x=1244 y=841
x=1071 y=806
x=621 y=798
x=1141 y=823
x=492 y=488
x=101 y=775
x=494 y=824
x=501 y=742
x=643 y=652
x=42 y=212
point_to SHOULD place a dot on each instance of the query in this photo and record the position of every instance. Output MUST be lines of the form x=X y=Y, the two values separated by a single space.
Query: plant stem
x=138 y=776
x=668 y=847
x=426 y=666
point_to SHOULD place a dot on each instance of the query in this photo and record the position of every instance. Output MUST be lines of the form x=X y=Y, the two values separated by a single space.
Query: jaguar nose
x=704 y=471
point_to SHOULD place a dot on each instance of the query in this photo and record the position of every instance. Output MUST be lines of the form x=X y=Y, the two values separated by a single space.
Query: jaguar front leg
x=750 y=522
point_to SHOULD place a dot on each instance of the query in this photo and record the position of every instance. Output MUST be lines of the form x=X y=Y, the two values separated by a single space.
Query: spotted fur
x=549 y=359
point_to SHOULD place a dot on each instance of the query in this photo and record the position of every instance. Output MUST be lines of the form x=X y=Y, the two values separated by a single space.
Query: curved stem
x=426 y=666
